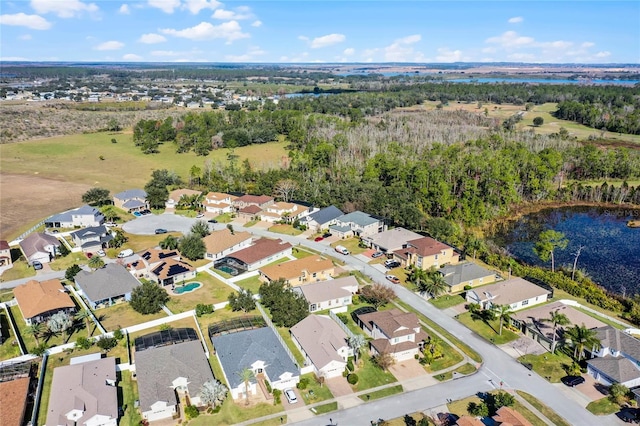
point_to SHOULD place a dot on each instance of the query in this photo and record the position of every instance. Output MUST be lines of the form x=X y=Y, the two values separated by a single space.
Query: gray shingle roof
x=393 y=239
x=68 y=215
x=237 y=351
x=157 y=368
x=132 y=204
x=327 y=290
x=359 y=218
x=111 y=281
x=326 y=214
x=36 y=242
x=619 y=369
x=618 y=340
x=463 y=272
x=131 y=193
x=89 y=232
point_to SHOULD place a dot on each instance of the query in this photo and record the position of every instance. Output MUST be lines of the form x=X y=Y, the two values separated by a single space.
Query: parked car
x=146 y=211
x=377 y=254
x=393 y=279
x=327 y=235
x=390 y=264
x=161 y=231
x=125 y=253
x=318 y=239
x=36 y=265
x=101 y=253
x=290 y=395
x=572 y=381
x=199 y=215
x=212 y=221
x=342 y=250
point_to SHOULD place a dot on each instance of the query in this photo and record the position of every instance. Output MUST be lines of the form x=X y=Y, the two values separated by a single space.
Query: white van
x=342 y=250
x=290 y=395
x=125 y=253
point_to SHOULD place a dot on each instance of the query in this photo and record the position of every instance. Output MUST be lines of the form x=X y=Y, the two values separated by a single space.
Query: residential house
x=390 y=240
x=465 y=275
x=5 y=256
x=106 y=286
x=425 y=253
x=172 y=271
x=322 y=219
x=224 y=242
x=92 y=239
x=300 y=271
x=617 y=360
x=249 y=212
x=77 y=218
x=39 y=247
x=332 y=294
x=168 y=373
x=219 y=203
x=469 y=421
x=14 y=395
x=394 y=332
x=259 y=350
x=39 y=300
x=507 y=416
x=84 y=394
x=261 y=253
x=261 y=201
x=131 y=200
x=324 y=345
x=517 y=293
x=176 y=195
x=281 y=211
x=357 y=224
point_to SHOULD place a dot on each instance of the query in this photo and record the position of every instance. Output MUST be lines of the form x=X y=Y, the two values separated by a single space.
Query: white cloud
x=109 y=45
x=131 y=57
x=13 y=58
x=349 y=51
x=327 y=40
x=63 y=8
x=515 y=20
x=25 y=37
x=167 y=6
x=603 y=54
x=510 y=39
x=558 y=44
x=409 y=39
x=151 y=38
x=447 y=55
x=124 y=9
x=226 y=15
x=251 y=55
x=35 y=22
x=229 y=31
x=401 y=50
x=587 y=44
x=256 y=24
x=195 y=6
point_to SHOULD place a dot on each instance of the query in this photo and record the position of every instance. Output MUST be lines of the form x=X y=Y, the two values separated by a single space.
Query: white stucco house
x=617 y=360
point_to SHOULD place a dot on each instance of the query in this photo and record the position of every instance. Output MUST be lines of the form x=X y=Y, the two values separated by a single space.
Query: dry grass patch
x=122 y=315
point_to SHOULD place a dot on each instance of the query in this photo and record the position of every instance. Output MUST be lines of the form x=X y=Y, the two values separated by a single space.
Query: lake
x=611 y=253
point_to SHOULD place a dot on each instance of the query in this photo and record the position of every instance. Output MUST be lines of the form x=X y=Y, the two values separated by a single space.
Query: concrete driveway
x=409 y=369
x=339 y=386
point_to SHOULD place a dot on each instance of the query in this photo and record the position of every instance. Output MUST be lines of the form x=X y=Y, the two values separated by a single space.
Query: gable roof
x=152 y=256
x=358 y=218
x=91 y=231
x=176 y=194
x=619 y=340
x=4 y=245
x=221 y=240
x=260 y=249
x=170 y=268
x=131 y=194
x=510 y=291
x=426 y=246
x=13 y=401
x=463 y=272
x=219 y=196
x=67 y=216
x=237 y=351
x=110 y=281
x=538 y=315
x=83 y=386
x=36 y=242
x=294 y=268
x=321 y=338
x=326 y=215
x=393 y=238
x=328 y=290
x=251 y=209
x=157 y=368
x=38 y=297
x=620 y=369
x=393 y=323
x=253 y=199
x=507 y=416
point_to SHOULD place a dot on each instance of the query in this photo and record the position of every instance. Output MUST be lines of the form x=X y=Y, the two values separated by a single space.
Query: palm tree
x=169 y=243
x=246 y=375
x=581 y=337
x=85 y=315
x=36 y=329
x=436 y=284
x=96 y=262
x=556 y=318
x=418 y=277
x=357 y=342
x=503 y=312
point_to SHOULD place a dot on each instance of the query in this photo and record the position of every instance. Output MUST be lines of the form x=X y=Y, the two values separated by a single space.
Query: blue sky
x=320 y=31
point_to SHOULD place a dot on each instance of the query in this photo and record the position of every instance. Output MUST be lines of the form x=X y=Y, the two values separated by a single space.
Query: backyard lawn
x=129 y=395
x=488 y=331
x=286 y=336
x=549 y=366
x=7 y=350
x=122 y=315
x=212 y=291
x=251 y=283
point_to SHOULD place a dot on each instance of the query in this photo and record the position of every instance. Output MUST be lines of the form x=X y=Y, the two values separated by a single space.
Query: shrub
x=345 y=373
x=107 y=343
x=343 y=317
x=118 y=334
x=478 y=410
x=467 y=287
x=277 y=393
x=350 y=365
x=303 y=383
x=191 y=411
x=83 y=343
x=268 y=386
x=352 y=378
x=202 y=309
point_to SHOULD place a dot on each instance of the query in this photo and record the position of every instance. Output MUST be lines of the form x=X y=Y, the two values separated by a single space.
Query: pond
x=610 y=253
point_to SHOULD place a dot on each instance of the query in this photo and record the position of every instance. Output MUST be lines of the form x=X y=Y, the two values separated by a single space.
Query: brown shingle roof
x=261 y=249
x=294 y=268
x=35 y=297
x=4 y=245
x=178 y=193
x=223 y=239
x=469 y=421
x=13 y=401
x=36 y=242
x=393 y=323
x=253 y=199
x=251 y=209
x=427 y=246
x=507 y=416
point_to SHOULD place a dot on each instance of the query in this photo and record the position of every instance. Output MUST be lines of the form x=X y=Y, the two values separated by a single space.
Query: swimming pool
x=228 y=269
x=187 y=288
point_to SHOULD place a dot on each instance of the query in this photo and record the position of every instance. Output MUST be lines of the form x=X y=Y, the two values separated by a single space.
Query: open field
x=55 y=172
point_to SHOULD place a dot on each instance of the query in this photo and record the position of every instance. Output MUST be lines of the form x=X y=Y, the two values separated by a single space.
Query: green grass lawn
x=251 y=283
x=141 y=242
x=232 y=413
x=314 y=392
x=285 y=229
x=546 y=411
x=603 y=406
x=450 y=357
x=326 y=408
x=447 y=301
x=8 y=349
x=300 y=253
x=6 y=295
x=352 y=244
x=370 y=375
x=488 y=332
x=21 y=269
x=129 y=389
x=286 y=336
x=464 y=369
x=63 y=263
x=212 y=291
x=382 y=393
x=224 y=218
x=122 y=315
x=549 y=366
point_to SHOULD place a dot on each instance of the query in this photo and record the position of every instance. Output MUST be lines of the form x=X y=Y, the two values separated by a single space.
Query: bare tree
x=285 y=189
x=575 y=261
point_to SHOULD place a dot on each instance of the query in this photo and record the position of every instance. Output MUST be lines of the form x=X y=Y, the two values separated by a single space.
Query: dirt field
x=27 y=199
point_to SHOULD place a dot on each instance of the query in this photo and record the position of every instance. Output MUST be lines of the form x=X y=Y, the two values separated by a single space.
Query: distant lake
x=611 y=253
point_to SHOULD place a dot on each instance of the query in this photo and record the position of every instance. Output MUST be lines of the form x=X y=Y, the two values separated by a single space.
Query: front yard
x=370 y=375
x=447 y=301
x=549 y=366
x=212 y=291
x=488 y=330
x=352 y=244
x=603 y=406
x=285 y=229
x=20 y=269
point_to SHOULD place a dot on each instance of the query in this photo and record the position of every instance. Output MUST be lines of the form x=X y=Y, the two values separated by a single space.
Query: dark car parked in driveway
x=161 y=231
x=572 y=381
